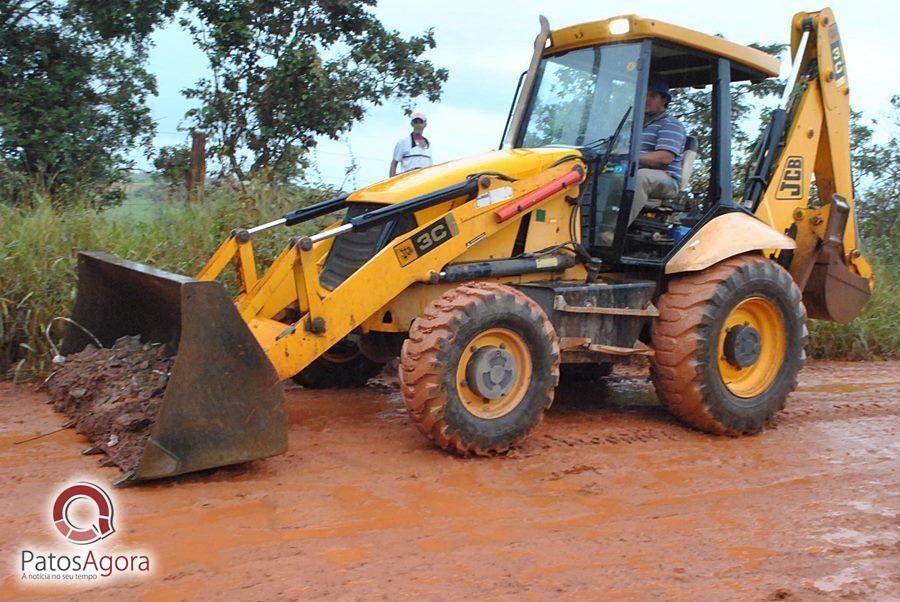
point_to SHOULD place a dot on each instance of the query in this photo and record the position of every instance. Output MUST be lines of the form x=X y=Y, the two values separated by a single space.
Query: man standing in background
x=413 y=151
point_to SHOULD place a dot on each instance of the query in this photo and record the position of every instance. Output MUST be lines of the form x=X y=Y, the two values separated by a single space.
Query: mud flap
x=224 y=403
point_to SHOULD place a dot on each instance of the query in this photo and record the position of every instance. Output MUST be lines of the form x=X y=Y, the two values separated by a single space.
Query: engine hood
x=516 y=163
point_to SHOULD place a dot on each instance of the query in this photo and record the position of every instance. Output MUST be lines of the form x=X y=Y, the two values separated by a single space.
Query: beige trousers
x=651 y=185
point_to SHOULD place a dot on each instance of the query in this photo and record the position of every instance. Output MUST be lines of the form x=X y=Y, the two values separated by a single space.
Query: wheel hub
x=492 y=372
x=751 y=347
x=743 y=345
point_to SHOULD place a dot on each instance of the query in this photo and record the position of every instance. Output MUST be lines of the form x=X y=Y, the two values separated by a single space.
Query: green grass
x=38 y=246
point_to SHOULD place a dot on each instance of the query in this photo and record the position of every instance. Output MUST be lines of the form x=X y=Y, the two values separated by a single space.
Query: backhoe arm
x=828 y=266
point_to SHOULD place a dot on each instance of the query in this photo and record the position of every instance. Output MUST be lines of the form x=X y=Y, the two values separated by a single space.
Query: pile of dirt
x=113 y=396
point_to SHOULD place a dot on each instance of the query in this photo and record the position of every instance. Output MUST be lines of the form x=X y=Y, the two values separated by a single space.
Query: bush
x=38 y=247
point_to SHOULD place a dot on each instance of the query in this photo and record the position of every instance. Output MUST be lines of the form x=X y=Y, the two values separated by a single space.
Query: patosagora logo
x=82 y=514
x=75 y=533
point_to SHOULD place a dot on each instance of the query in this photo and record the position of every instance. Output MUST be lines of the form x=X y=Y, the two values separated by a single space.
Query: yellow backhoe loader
x=492 y=275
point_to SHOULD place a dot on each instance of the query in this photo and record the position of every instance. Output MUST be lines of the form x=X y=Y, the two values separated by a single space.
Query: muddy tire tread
x=681 y=334
x=421 y=367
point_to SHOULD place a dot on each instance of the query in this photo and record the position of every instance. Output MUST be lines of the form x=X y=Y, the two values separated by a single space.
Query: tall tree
x=287 y=71
x=73 y=91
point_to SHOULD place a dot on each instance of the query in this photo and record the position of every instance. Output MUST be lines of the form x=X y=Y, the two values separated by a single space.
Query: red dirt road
x=608 y=498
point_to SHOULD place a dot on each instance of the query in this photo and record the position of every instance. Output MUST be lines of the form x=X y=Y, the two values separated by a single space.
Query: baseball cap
x=659 y=85
x=418 y=115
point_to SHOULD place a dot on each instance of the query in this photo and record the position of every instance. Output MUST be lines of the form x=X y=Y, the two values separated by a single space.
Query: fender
x=723 y=237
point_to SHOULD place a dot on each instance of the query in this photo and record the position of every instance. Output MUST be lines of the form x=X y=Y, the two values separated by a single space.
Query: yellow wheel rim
x=516 y=355
x=763 y=316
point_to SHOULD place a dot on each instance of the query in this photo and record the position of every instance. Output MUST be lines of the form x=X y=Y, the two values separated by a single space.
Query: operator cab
x=587 y=91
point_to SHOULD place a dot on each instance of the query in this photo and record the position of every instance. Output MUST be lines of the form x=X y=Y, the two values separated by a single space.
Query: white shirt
x=410 y=156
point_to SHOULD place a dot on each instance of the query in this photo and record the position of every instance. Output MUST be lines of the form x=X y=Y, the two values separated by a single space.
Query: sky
x=486 y=45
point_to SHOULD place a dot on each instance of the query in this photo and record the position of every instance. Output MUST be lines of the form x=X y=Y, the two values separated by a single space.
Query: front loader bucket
x=224 y=402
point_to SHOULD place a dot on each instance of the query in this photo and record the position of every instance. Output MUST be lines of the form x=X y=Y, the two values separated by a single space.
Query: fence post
x=197 y=173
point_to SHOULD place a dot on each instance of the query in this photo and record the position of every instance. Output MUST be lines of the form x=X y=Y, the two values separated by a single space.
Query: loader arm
x=416 y=256
x=265 y=296
x=813 y=124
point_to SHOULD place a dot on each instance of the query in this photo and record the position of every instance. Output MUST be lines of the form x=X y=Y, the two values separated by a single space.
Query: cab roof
x=679 y=68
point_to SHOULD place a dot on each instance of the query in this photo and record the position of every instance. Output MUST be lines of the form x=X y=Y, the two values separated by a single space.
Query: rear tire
x=479 y=368
x=341 y=367
x=729 y=343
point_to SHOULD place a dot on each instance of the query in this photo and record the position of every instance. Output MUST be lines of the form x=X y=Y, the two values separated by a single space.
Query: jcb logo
x=791 y=186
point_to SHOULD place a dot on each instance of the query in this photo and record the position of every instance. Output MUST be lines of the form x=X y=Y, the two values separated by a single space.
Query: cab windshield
x=582 y=96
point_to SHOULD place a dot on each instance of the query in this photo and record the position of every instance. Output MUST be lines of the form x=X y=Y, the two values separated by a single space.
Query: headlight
x=619 y=26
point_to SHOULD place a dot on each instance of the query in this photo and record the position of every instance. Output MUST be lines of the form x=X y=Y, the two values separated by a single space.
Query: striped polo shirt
x=665 y=133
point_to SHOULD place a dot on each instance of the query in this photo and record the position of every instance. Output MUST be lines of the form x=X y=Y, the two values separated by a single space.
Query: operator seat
x=687 y=162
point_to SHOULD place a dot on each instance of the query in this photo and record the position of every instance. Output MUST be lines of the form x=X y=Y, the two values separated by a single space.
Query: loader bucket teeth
x=224 y=402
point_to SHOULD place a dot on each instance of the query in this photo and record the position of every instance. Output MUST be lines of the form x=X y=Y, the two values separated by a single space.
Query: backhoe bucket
x=833 y=292
x=224 y=402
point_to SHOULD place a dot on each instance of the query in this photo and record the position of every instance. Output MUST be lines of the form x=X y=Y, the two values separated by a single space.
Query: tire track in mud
x=802 y=412
x=795 y=415
x=537 y=444
x=803 y=408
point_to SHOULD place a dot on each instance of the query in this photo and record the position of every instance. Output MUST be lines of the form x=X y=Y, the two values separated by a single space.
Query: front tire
x=729 y=344
x=479 y=368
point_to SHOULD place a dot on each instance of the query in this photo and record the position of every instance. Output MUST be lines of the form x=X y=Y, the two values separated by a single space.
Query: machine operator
x=662 y=147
